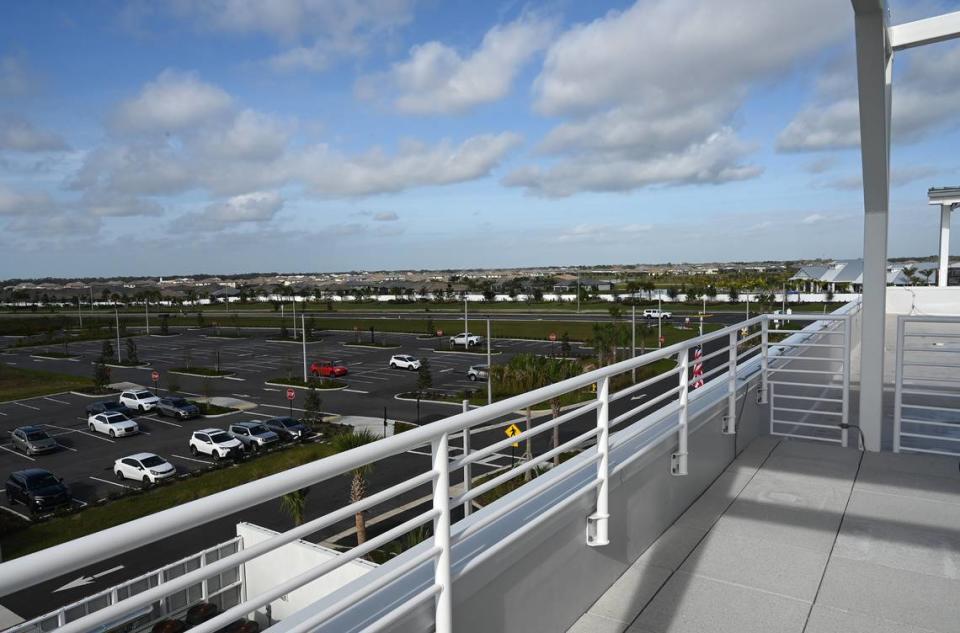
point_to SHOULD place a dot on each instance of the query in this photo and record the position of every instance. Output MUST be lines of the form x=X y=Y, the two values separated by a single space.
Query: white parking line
x=270 y=389
x=2 y=413
x=22 y=516
x=443 y=371
x=112 y=483
x=96 y=437
x=10 y=450
x=191 y=459
x=234 y=378
x=354 y=391
x=153 y=419
x=69 y=448
x=55 y=400
x=27 y=406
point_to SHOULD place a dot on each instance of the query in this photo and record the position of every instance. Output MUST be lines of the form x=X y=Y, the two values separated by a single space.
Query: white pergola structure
x=877 y=41
x=947 y=198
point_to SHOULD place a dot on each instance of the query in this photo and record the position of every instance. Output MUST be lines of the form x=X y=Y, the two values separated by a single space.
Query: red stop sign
x=553 y=336
x=663 y=339
x=155 y=375
x=291 y=394
x=439 y=332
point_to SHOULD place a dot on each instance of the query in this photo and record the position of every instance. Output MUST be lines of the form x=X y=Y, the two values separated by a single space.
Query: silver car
x=33 y=440
x=478 y=372
x=253 y=435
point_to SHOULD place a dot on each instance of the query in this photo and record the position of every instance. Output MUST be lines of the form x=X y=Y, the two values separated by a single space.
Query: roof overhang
x=943 y=196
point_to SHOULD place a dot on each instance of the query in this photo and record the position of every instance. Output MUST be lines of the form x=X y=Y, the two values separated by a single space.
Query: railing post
x=764 y=347
x=898 y=390
x=678 y=462
x=598 y=528
x=443 y=617
x=730 y=421
x=467 y=468
x=844 y=433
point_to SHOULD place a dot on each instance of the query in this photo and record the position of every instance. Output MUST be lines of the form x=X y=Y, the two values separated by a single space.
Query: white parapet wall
x=923 y=300
x=287 y=561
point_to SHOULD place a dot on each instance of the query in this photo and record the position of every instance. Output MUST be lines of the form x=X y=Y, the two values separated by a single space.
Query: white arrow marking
x=86 y=580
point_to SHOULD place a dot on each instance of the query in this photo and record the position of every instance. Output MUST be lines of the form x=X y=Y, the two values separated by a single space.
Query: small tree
x=101 y=374
x=733 y=294
x=311 y=404
x=165 y=324
x=424 y=377
x=106 y=351
x=173 y=385
x=132 y=356
x=295 y=504
x=358 y=484
x=565 y=345
x=431 y=328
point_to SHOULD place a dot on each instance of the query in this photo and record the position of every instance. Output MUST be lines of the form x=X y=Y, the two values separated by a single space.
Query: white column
x=874 y=68
x=944 y=244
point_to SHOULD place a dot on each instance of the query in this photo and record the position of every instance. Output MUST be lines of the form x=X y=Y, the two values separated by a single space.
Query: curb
x=92 y=395
x=184 y=373
x=277 y=340
x=280 y=384
x=482 y=354
x=72 y=359
x=453 y=404
x=371 y=346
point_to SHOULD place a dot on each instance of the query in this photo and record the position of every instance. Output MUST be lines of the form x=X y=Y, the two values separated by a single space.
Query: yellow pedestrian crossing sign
x=512 y=431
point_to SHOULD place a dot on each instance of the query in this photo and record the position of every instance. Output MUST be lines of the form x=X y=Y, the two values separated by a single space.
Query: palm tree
x=358 y=486
x=520 y=375
x=295 y=504
x=558 y=370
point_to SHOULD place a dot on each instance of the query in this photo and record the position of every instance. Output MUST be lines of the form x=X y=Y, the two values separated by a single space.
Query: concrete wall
x=286 y=562
x=923 y=300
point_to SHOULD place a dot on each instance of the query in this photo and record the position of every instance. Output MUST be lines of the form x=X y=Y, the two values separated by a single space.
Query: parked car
x=216 y=443
x=33 y=440
x=112 y=424
x=478 y=372
x=654 y=313
x=177 y=407
x=145 y=467
x=106 y=406
x=327 y=369
x=254 y=434
x=403 y=361
x=141 y=400
x=37 y=489
x=288 y=428
x=466 y=339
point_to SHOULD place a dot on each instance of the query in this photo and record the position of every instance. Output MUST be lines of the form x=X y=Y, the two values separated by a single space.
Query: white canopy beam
x=874 y=74
x=929 y=31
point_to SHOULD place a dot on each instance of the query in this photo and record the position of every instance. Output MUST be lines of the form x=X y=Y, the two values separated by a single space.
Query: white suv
x=141 y=400
x=402 y=361
x=656 y=314
x=216 y=443
x=466 y=339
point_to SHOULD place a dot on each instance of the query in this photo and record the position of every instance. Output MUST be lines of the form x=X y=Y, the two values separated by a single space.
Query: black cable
x=863 y=440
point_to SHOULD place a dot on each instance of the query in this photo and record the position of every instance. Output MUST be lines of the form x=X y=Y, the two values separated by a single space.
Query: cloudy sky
x=310 y=135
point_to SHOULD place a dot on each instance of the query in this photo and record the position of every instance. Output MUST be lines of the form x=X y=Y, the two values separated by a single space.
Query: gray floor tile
x=694 y=604
x=902 y=532
x=672 y=547
x=878 y=479
x=891 y=594
x=761 y=564
x=819 y=451
x=711 y=504
x=826 y=472
x=829 y=620
x=930 y=465
x=628 y=595
x=750 y=459
x=590 y=623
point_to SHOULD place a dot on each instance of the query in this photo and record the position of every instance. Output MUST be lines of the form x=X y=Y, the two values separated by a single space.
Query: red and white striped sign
x=698 y=367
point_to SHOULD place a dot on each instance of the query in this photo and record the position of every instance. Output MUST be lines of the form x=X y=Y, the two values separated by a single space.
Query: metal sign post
x=155 y=376
x=291 y=396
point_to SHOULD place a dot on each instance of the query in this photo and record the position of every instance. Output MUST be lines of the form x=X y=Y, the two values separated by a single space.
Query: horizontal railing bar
x=928 y=392
x=788 y=370
x=486 y=486
x=932 y=350
x=646 y=404
x=930 y=437
x=514 y=502
x=817 y=358
x=929 y=451
x=708 y=374
x=803 y=344
x=723 y=350
x=298 y=581
x=409 y=605
x=805 y=384
x=928 y=379
x=929 y=407
x=367 y=589
x=949 y=425
x=814 y=398
x=241 y=556
x=810 y=411
x=623 y=393
x=915 y=364
x=815 y=437
x=820 y=333
x=807 y=424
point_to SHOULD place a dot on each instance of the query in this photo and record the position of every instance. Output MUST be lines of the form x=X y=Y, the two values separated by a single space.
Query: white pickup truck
x=654 y=313
x=466 y=339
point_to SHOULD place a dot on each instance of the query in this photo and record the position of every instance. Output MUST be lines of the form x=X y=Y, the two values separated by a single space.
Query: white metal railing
x=722 y=354
x=807 y=385
x=926 y=412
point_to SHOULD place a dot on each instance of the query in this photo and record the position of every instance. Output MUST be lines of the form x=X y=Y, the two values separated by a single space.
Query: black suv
x=38 y=489
x=177 y=407
x=288 y=428
x=106 y=406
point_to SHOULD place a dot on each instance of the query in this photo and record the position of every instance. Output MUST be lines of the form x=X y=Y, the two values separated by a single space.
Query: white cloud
x=415 y=164
x=140 y=169
x=651 y=93
x=814 y=218
x=385 y=216
x=250 y=135
x=436 y=79
x=602 y=233
x=15 y=79
x=256 y=207
x=56 y=226
x=14 y=203
x=171 y=102
x=111 y=204
x=17 y=133
x=924 y=99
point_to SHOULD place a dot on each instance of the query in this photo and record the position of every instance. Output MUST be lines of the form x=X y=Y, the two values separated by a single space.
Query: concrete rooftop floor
x=802 y=536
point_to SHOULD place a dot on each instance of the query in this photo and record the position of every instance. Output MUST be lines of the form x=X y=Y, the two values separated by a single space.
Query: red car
x=327 y=369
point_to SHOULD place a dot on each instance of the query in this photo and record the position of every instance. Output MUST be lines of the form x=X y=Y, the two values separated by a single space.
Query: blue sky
x=300 y=135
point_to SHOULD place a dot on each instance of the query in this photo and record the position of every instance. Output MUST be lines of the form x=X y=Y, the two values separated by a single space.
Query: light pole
x=293 y=300
x=489 y=372
x=466 y=323
x=117 y=316
x=659 y=321
x=633 y=343
x=303 y=335
x=146 y=307
x=79 y=314
x=578 y=291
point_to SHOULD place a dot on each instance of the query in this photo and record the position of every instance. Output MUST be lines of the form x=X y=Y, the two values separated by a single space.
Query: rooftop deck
x=799 y=536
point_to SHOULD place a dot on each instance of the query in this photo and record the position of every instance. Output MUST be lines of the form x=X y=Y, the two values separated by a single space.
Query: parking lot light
x=117 y=316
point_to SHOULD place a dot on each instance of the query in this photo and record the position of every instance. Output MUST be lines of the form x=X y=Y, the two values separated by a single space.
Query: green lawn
x=16 y=382
x=92 y=519
x=201 y=371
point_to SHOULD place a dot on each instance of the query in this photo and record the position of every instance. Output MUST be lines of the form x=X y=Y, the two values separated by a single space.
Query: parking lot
x=86 y=458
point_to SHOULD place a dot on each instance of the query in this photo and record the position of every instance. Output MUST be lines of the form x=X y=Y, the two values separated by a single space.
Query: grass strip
x=17 y=382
